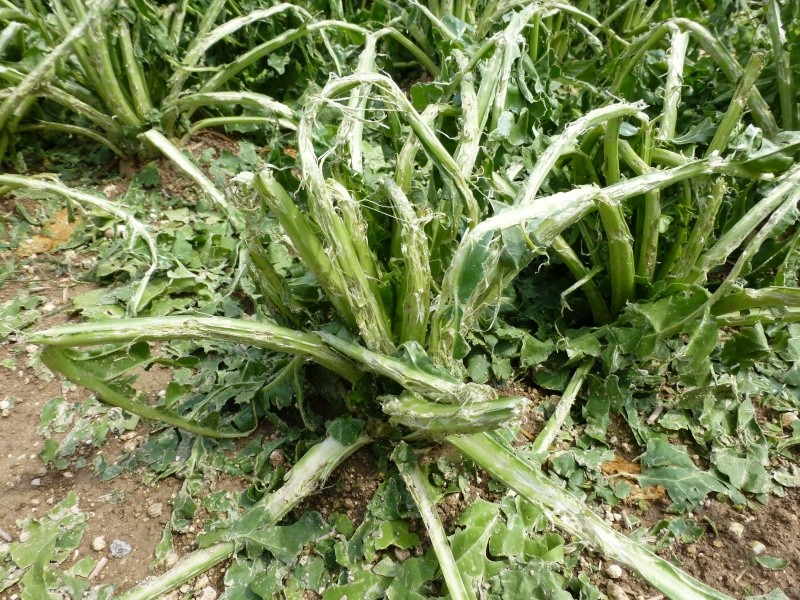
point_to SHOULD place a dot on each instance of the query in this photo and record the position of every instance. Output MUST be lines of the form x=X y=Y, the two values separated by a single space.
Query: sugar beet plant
x=417 y=218
x=108 y=70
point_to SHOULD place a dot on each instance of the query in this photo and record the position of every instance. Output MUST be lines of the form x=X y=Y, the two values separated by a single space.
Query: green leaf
x=364 y=586
x=285 y=542
x=17 y=314
x=535 y=581
x=771 y=563
x=670 y=466
x=478 y=522
x=345 y=430
x=395 y=533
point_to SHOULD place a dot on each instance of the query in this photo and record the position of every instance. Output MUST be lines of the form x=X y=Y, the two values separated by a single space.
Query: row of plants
x=581 y=197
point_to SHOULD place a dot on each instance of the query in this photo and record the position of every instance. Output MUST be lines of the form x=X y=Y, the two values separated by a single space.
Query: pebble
x=5 y=404
x=614 y=571
x=120 y=548
x=36 y=482
x=208 y=593
x=155 y=510
x=99 y=543
x=757 y=548
x=5 y=413
x=787 y=419
x=401 y=554
x=615 y=592
x=736 y=529
x=24 y=537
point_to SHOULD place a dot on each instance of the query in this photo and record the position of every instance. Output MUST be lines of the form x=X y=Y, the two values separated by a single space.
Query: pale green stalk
x=61 y=97
x=354 y=221
x=478 y=252
x=191 y=102
x=419 y=489
x=133 y=69
x=469 y=142
x=648 y=249
x=191 y=170
x=552 y=429
x=71 y=130
x=576 y=518
x=256 y=53
x=237 y=331
x=58 y=362
x=407 y=157
x=105 y=205
x=8 y=35
x=99 y=54
x=611 y=151
x=439 y=386
x=269 y=282
x=304 y=241
x=741 y=230
x=366 y=306
x=702 y=230
x=620 y=249
x=749 y=299
x=396 y=97
x=783 y=66
x=570 y=258
x=733 y=71
x=232 y=121
x=672 y=88
x=509 y=44
x=352 y=125
x=764 y=316
x=437 y=419
x=746 y=86
x=776 y=221
x=206 y=39
x=565 y=142
x=307 y=475
x=413 y=305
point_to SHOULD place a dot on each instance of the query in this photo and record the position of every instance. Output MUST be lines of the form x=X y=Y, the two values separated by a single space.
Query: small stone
x=401 y=554
x=155 y=510
x=615 y=592
x=717 y=544
x=277 y=458
x=208 y=593
x=757 y=548
x=5 y=413
x=99 y=543
x=120 y=549
x=67 y=475
x=5 y=404
x=24 y=537
x=614 y=571
x=736 y=529
x=788 y=418
x=691 y=549
x=201 y=582
x=36 y=482
x=171 y=559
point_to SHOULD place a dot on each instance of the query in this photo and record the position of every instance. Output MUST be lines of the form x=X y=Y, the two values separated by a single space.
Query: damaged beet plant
x=415 y=230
